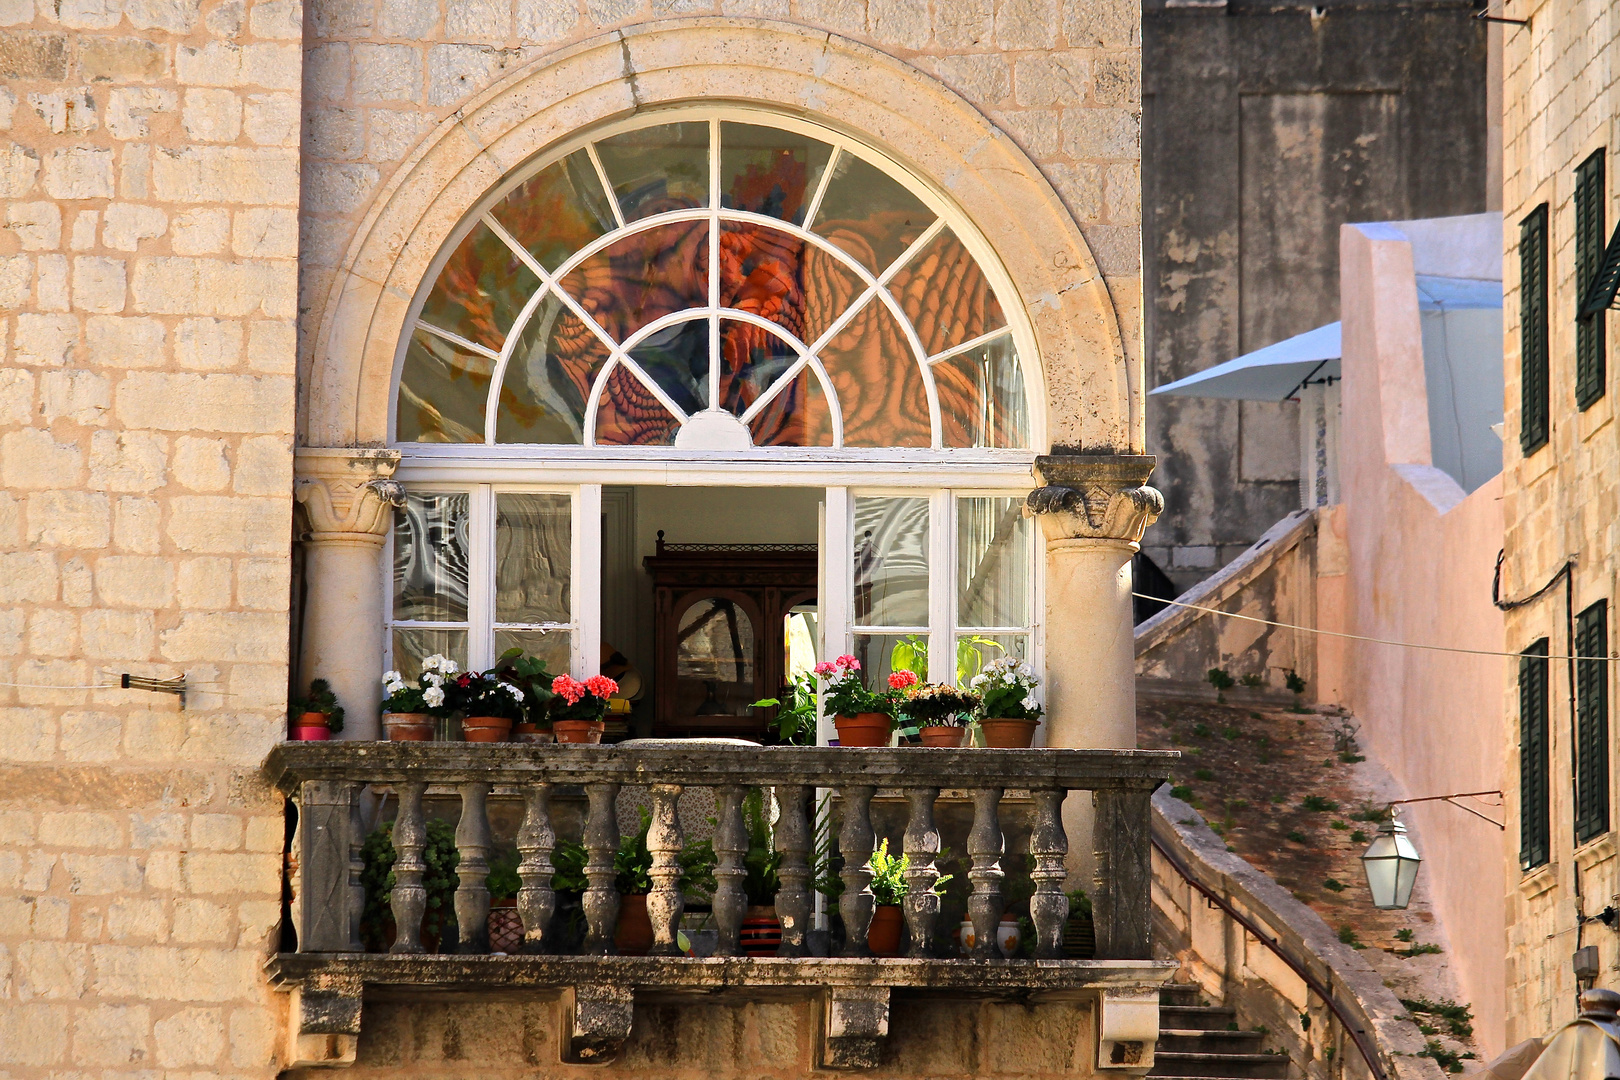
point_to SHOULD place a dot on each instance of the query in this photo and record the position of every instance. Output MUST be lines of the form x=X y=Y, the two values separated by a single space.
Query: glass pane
x=779 y=277
x=660 y=168
x=981 y=397
x=413 y=645
x=629 y=415
x=442 y=392
x=974 y=651
x=797 y=416
x=635 y=280
x=879 y=385
x=891 y=561
x=677 y=359
x=554 y=647
x=751 y=359
x=557 y=211
x=883 y=654
x=480 y=290
x=430 y=557
x=946 y=296
x=869 y=214
x=549 y=378
x=769 y=171
x=533 y=539
x=993 y=559
x=714 y=660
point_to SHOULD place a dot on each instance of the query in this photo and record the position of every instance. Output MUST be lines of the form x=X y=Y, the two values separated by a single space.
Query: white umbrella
x=1587 y=1048
x=1274 y=373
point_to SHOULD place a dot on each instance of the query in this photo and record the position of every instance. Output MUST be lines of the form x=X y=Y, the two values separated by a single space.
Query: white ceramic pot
x=969 y=938
x=1007 y=936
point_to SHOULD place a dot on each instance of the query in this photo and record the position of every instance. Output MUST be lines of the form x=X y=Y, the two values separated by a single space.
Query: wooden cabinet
x=719 y=618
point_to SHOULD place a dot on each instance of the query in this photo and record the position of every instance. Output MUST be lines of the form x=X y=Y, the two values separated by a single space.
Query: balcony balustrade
x=329 y=970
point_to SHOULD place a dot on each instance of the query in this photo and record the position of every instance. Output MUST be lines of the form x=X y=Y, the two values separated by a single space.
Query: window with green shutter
x=1533 y=400
x=1534 y=801
x=1592 y=723
x=1591 y=331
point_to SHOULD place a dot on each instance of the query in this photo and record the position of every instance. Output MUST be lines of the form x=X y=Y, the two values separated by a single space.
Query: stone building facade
x=218 y=213
x=1559 y=494
x=1265 y=128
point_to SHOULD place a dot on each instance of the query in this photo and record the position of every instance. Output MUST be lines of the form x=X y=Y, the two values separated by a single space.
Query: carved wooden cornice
x=1095 y=497
x=347 y=495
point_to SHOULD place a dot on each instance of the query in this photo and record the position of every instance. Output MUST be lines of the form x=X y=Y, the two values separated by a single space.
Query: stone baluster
x=1048 y=848
x=793 y=899
x=730 y=845
x=601 y=900
x=985 y=844
x=1122 y=904
x=409 y=901
x=855 y=842
x=664 y=841
x=535 y=841
x=921 y=845
x=472 y=894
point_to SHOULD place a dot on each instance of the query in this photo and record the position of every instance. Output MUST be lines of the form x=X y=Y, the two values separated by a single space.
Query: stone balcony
x=329 y=973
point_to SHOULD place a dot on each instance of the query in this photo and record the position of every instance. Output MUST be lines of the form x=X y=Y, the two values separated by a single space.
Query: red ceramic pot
x=941 y=735
x=866 y=729
x=634 y=936
x=311 y=733
x=1008 y=734
x=578 y=732
x=761 y=933
x=884 y=936
x=486 y=729
x=408 y=727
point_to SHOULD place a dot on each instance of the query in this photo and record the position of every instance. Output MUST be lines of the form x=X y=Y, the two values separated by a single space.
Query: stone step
x=1226 y=1066
x=1180 y=994
x=1173 y=1040
x=1196 y=1017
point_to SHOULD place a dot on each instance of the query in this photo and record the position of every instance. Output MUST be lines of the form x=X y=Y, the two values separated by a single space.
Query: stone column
x=347 y=497
x=1092 y=510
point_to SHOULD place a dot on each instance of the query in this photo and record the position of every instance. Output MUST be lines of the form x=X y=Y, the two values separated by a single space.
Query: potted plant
x=940 y=713
x=489 y=705
x=1079 y=932
x=529 y=674
x=439 y=880
x=317 y=716
x=889 y=887
x=1008 y=712
x=504 y=923
x=761 y=933
x=795 y=710
x=411 y=707
x=578 y=708
x=633 y=864
x=863 y=717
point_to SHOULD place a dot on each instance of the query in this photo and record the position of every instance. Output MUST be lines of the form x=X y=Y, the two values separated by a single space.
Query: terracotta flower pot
x=866 y=729
x=505 y=928
x=408 y=726
x=530 y=733
x=942 y=735
x=486 y=728
x=634 y=935
x=311 y=733
x=884 y=936
x=761 y=933
x=578 y=732
x=1007 y=733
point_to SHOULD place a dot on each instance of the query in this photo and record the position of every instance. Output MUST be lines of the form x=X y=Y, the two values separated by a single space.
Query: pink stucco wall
x=1417 y=557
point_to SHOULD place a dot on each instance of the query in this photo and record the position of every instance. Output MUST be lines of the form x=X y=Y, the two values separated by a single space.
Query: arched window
x=719 y=281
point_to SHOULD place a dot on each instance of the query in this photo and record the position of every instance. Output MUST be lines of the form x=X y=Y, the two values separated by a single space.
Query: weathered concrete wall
x=149 y=175
x=1561 y=501
x=1265 y=129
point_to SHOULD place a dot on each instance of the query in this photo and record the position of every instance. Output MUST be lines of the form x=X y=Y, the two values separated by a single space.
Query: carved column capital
x=1094 y=497
x=347 y=495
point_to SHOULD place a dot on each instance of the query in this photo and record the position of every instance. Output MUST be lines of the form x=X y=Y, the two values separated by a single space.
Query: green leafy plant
x=425 y=693
x=825 y=862
x=795 y=710
x=1292 y=680
x=568 y=861
x=1201 y=730
x=503 y=881
x=889 y=875
x=844 y=691
x=1333 y=885
x=1182 y=792
x=528 y=674
x=973 y=651
x=761 y=860
x=485 y=693
x=1203 y=774
x=1006 y=689
x=1404 y=934
x=1231 y=733
x=1296 y=836
x=1347 y=935
x=1318 y=805
x=576 y=700
x=322 y=700
x=1221 y=681
x=1457 y=1017
x=1252 y=679
x=377 y=858
x=1338 y=825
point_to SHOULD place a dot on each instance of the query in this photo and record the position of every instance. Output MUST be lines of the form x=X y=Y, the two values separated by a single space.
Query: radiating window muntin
x=883 y=331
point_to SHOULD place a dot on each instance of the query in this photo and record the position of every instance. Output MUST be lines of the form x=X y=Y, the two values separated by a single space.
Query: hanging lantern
x=1391 y=865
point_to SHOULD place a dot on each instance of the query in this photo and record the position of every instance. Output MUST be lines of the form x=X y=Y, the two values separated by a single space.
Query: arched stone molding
x=1093 y=395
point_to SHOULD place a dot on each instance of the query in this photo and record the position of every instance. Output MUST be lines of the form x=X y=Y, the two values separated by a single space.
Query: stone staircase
x=1197 y=1040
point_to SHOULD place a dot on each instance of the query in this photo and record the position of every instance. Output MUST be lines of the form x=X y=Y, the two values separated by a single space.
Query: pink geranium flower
x=569 y=689
x=901 y=680
x=601 y=686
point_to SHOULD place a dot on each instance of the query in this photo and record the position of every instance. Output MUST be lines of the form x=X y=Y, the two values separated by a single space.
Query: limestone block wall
x=149 y=183
x=1560 y=105
x=1061 y=79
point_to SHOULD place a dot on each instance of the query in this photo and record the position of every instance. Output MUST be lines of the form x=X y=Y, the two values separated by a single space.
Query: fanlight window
x=714 y=284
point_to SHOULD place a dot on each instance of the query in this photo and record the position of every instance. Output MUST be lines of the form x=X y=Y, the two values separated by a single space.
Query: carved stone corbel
x=347 y=495
x=1127 y=1028
x=323 y=1022
x=596 y=1021
x=855 y=1024
x=1094 y=497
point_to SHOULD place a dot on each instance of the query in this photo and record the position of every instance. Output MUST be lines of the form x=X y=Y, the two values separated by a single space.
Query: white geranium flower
x=434 y=696
x=393 y=682
x=432 y=678
x=1029 y=702
x=978 y=680
x=514 y=691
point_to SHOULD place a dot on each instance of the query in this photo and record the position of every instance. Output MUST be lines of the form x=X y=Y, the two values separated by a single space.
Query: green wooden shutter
x=1591 y=331
x=1533 y=389
x=1592 y=723
x=1534 y=803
